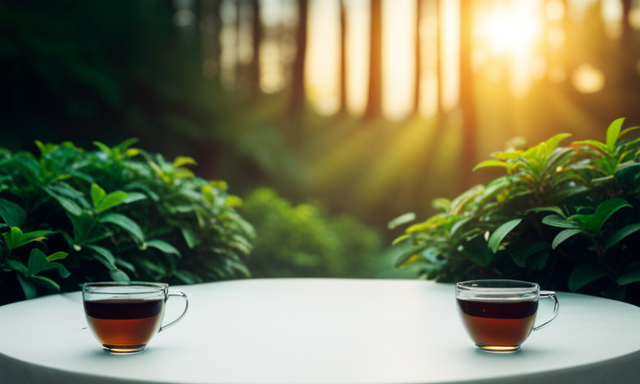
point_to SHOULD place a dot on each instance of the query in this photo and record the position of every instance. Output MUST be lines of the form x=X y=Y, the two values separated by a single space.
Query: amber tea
x=124 y=317
x=499 y=315
x=124 y=323
x=498 y=323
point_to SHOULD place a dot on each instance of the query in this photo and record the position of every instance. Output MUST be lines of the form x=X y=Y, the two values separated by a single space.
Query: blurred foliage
x=304 y=241
x=113 y=214
x=118 y=67
x=565 y=217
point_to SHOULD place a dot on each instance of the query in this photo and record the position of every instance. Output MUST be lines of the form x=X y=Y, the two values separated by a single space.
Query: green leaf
x=441 y=204
x=628 y=130
x=613 y=132
x=592 y=143
x=15 y=238
x=631 y=275
x=119 y=275
x=29 y=289
x=538 y=261
x=85 y=229
x=134 y=196
x=557 y=210
x=621 y=234
x=493 y=163
x=585 y=274
x=12 y=213
x=37 y=260
x=126 y=264
x=103 y=147
x=500 y=233
x=564 y=235
x=402 y=219
x=125 y=223
x=17 y=266
x=183 y=160
x=66 y=203
x=125 y=144
x=559 y=222
x=163 y=246
x=400 y=238
x=406 y=256
x=522 y=249
x=458 y=225
x=608 y=208
x=57 y=256
x=190 y=237
x=111 y=200
x=62 y=270
x=106 y=257
x=97 y=194
x=46 y=282
x=554 y=141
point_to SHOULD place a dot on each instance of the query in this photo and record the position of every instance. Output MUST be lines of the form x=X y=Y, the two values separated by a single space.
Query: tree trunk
x=343 y=57
x=418 y=59
x=374 y=97
x=297 y=81
x=256 y=34
x=467 y=94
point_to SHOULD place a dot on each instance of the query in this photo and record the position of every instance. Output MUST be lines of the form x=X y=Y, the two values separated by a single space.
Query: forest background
x=366 y=108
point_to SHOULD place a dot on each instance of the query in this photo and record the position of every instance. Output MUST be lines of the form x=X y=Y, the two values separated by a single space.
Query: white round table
x=320 y=331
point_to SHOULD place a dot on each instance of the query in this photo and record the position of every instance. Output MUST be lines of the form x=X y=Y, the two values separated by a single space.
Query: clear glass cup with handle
x=499 y=315
x=124 y=316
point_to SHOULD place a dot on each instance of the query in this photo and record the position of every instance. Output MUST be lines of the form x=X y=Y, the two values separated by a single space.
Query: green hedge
x=566 y=217
x=71 y=216
x=304 y=241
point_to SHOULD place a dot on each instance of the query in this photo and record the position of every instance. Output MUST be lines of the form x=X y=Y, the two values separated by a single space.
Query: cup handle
x=186 y=306
x=556 y=307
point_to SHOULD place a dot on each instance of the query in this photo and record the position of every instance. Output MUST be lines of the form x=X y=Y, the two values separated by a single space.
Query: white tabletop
x=320 y=331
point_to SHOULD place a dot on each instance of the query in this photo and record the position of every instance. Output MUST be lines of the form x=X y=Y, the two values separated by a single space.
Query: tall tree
x=418 y=58
x=297 y=81
x=256 y=34
x=239 y=65
x=374 y=96
x=466 y=93
x=343 y=57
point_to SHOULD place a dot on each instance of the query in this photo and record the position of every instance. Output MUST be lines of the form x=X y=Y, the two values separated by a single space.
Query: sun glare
x=509 y=28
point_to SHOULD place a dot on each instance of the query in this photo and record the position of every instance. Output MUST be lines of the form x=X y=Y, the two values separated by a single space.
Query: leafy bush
x=304 y=241
x=566 y=217
x=113 y=214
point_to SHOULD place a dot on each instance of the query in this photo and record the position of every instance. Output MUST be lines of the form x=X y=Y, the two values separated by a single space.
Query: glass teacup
x=124 y=317
x=499 y=315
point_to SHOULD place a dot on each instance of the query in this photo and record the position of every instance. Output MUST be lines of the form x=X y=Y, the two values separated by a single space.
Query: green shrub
x=113 y=214
x=304 y=241
x=566 y=217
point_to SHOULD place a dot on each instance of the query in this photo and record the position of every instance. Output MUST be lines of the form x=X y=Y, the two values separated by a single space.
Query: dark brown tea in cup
x=124 y=323
x=125 y=316
x=505 y=323
x=499 y=315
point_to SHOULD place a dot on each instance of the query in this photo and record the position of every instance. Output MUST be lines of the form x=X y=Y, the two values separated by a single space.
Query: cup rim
x=517 y=285
x=101 y=287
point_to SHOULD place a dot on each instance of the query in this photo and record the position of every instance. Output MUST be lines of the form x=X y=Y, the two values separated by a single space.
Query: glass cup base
x=498 y=348
x=121 y=350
